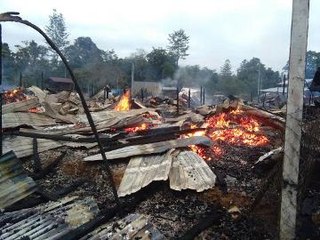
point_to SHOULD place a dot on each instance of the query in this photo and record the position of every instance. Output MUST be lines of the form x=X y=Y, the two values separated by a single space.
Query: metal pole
x=189 y=98
x=290 y=174
x=42 y=80
x=1 y=90
x=132 y=78
x=259 y=83
x=201 y=95
x=177 y=100
x=204 y=96
x=284 y=85
x=10 y=17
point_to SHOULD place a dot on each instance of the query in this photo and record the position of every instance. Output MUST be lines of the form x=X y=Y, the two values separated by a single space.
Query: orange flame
x=124 y=103
x=143 y=126
x=14 y=95
x=233 y=128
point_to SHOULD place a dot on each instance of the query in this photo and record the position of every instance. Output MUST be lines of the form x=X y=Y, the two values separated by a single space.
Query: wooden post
x=201 y=95
x=298 y=48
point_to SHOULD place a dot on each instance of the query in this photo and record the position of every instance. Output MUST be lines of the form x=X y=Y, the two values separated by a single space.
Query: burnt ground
x=243 y=205
x=237 y=208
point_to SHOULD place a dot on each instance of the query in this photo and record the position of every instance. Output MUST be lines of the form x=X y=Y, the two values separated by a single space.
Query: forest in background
x=31 y=63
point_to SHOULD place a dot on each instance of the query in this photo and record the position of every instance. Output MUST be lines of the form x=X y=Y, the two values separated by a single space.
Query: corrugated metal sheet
x=141 y=171
x=50 y=221
x=190 y=171
x=11 y=120
x=151 y=148
x=133 y=226
x=14 y=183
x=23 y=146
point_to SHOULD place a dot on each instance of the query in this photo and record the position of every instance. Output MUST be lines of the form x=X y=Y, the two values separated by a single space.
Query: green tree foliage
x=249 y=73
x=228 y=83
x=161 y=64
x=84 y=52
x=9 y=70
x=31 y=60
x=312 y=62
x=57 y=30
x=178 y=45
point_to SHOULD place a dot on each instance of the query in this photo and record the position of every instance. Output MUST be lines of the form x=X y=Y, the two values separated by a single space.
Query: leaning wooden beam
x=298 y=48
x=141 y=171
x=151 y=148
x=190 y=171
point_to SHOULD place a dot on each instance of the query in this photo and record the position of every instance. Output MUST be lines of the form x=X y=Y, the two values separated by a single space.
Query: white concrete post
x=298 y=48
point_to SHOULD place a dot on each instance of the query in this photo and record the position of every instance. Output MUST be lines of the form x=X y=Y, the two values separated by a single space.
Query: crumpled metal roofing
x=49 y=221
x=14 y=183
x=133 y=226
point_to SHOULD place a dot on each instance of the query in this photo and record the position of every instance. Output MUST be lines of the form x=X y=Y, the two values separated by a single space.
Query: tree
x=178 y=45
x=84 y=52
x=31 y=59
x=161 y=64
x=8 y=64
x=57 y=30
x=312 y=62
x=228 y=83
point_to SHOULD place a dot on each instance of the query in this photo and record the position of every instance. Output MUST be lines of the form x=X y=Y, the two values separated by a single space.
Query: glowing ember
x=14 y=95
x=124 y=103
x=232 y=128
x=143 y=126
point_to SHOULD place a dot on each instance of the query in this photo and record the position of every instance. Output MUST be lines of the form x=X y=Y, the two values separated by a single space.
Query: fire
x=232 y=128
x=142 y=126
x=124 y=103
x=14 y=95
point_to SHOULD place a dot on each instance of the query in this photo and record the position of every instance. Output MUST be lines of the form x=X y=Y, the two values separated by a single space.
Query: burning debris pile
x=213 y=152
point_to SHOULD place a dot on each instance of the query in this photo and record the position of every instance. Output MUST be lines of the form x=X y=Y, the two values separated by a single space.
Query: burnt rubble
x=171 y=182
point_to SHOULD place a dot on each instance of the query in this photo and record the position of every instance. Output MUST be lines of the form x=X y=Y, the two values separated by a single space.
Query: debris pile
x=215 y=158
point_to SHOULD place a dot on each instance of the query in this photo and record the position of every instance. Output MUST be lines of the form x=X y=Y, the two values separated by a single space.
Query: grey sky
x=218 y=29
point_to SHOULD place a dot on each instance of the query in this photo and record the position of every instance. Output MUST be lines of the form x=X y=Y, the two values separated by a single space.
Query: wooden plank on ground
x=190 y=171
x=151 y=148
x=143 y=170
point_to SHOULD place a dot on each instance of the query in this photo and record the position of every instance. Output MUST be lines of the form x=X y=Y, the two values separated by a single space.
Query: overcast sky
x=218 y=29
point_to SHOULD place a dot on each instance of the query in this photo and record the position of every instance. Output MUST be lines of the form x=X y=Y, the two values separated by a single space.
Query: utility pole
x=1 y=90
x=259 y=76
x=132 y=78
x=290 y=173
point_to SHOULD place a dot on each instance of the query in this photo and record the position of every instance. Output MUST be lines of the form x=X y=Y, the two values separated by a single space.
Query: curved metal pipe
x=12 y=17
